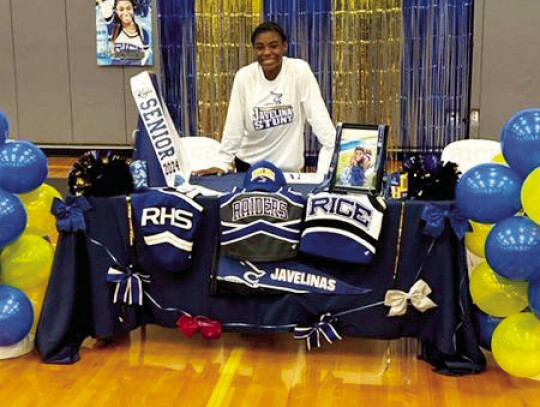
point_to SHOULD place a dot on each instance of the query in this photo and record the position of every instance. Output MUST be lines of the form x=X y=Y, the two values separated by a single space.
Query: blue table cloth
x=78 y=303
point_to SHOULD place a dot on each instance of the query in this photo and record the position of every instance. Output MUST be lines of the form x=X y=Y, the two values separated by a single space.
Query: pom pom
x=430 y=179
x=100 y=173
x=187 y=324
x=417 y=176
x=443 y=182
x=210 y=328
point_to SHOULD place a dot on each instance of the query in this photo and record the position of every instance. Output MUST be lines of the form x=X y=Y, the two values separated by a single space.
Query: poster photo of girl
x=355 y=173
x=124 y=32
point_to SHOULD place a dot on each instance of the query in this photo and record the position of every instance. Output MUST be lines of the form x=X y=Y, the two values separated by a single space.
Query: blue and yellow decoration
x=376 y=61
x=26 y=231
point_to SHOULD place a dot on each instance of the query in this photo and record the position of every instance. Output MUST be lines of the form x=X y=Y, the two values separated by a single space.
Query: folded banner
x=245 y=277
x=167 y=147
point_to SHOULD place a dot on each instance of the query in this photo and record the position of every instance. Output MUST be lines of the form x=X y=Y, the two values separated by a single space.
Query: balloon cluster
x=26 y=228
x=502 y=200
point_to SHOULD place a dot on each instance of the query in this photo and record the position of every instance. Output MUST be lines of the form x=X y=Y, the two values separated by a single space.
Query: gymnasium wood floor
x=161 y=367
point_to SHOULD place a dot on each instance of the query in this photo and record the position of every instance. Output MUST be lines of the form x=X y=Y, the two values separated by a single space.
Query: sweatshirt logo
x=265 y=117
x=277 y=97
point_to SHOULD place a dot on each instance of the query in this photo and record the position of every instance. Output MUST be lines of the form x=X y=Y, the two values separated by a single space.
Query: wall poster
x=124 y=32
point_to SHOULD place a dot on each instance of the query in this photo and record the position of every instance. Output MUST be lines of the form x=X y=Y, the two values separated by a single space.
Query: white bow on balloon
x=398 y=300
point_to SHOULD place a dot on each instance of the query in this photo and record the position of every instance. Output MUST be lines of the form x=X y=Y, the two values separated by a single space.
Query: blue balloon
x=4 y=128
x=16 y=315
x=485 y=325
x=488 y=193
x=513 y=248
x=23 y=166
x=12 y=218
x=534 y=296
x=520 y=141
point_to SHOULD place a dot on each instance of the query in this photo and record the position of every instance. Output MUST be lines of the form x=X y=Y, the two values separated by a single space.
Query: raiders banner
x=165 y=141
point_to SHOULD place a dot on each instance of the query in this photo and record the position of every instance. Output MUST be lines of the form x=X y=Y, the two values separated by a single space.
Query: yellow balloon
x=516 y=344
x=475 y=241
x=27 y=262
x=38 y=207
x=496 y=295
x=530 y=195
x=499 y=158
x=36 y=296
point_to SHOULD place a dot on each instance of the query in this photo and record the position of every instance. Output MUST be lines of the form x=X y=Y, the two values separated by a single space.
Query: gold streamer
x=366 y=78
x=223 y=46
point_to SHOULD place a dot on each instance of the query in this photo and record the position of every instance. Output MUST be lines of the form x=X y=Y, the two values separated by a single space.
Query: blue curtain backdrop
x=436 y=69
x=176 y=21
x=308 y=25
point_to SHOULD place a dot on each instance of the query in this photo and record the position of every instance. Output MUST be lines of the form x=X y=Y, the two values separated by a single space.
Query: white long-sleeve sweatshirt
x=266 y=118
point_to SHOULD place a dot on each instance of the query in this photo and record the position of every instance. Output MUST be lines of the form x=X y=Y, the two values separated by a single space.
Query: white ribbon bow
x=398 y=300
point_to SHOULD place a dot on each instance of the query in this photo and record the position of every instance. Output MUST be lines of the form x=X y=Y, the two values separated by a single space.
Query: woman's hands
x=209 y=171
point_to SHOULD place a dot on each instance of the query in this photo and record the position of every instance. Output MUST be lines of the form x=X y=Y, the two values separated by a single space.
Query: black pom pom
x=417 y=176
x=100 y=173
x=434 y=181
x=444 y=181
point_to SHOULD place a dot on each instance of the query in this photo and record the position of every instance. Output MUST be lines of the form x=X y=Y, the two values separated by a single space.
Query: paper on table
x=303 y=178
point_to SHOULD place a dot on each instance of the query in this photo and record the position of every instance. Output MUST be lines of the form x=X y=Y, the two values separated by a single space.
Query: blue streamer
x=436 y=69
x=309 y=27
x=178 y=54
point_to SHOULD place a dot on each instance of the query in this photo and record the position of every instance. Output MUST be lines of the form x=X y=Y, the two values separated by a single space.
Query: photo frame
x=359 y=158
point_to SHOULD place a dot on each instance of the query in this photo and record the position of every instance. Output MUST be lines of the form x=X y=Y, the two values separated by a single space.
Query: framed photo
x=359 y=159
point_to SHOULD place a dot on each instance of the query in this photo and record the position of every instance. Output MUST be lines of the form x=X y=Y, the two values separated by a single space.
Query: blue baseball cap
x=264 y=176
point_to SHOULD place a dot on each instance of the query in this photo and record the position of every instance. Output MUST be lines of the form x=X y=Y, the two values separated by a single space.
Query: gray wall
x=54 y=93
x=50 y=85
x=506 y=76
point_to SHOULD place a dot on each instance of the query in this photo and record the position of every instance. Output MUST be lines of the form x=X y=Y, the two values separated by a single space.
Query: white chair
x=468 y=153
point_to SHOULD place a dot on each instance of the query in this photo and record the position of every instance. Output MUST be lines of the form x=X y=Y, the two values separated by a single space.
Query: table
x=78 y=301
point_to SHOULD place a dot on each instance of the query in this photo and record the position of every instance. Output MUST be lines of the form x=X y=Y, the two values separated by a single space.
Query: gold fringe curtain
x=366 y=77
x=223 y=46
